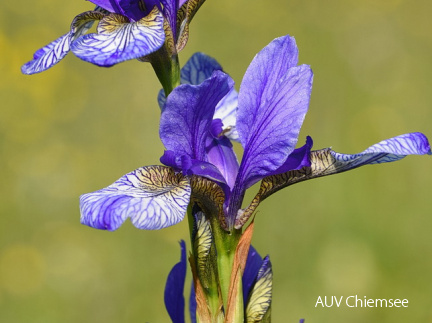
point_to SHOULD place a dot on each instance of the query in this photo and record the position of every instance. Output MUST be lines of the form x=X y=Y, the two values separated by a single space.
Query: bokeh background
x=77 y=128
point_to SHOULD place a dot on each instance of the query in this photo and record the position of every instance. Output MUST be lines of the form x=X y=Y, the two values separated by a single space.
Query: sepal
x=48 y=55
x=154 y=197
x=117 y=39
x=326 y=162
x=51 y=54
x=210 y=197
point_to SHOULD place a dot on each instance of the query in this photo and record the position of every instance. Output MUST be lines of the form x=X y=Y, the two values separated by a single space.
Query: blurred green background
x=77 y=128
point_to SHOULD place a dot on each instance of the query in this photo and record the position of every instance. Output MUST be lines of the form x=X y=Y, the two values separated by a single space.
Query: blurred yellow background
x=77 y=128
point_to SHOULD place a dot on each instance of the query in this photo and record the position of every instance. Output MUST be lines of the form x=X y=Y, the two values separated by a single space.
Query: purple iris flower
x=256 y=281
x=127 y=29
x=266 y=117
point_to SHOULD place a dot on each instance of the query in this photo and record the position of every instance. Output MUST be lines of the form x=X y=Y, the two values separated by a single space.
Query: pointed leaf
x=173 y=296
x=154 y=197
x=119 y=40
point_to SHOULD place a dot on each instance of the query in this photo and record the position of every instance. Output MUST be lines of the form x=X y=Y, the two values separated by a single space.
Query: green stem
x=226 y=243
x=167 y=69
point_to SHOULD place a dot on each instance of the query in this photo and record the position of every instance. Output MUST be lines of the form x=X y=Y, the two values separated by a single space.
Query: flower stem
x=226 y=243
x=167 y=69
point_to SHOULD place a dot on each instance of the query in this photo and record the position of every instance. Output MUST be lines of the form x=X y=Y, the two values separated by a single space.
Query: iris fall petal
x=118 y=39
x=154 y=197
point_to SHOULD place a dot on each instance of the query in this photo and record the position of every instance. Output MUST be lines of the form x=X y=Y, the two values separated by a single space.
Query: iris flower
x=127 y=29
x=256 y=282
x=200 y=164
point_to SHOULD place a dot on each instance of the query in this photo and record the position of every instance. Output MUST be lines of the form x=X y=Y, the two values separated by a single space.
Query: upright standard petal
x=199 y=68
x=196 y=70
x=188 y=114
x=173 y=296
x=269 y=130
x=327 y=162
x=262 y=78
x=118 y=39
x=154 y=197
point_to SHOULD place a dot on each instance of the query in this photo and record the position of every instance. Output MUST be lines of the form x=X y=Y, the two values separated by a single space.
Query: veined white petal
x=119 y=40
x=154 y=197
x=48 y=56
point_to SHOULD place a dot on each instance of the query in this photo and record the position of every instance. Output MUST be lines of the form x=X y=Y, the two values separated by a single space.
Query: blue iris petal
x=174 y=299
x=118 y=39
x=48 y=56
x=273 y=101
x=386 y=151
